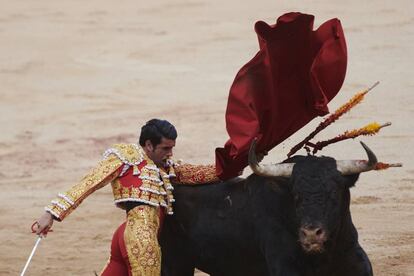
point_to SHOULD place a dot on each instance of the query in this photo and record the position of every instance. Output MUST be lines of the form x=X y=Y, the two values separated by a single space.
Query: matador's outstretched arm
x=106 y=171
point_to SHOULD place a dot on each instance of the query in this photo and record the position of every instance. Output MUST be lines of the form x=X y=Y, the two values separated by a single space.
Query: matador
x=141 y=177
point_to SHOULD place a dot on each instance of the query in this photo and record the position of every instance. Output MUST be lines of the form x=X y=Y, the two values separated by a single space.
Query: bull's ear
x=351 y=179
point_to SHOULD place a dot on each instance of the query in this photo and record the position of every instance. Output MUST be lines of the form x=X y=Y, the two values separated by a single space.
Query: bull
x=291 y=218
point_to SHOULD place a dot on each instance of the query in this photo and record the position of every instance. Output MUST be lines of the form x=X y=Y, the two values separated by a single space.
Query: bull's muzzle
x=312 y=239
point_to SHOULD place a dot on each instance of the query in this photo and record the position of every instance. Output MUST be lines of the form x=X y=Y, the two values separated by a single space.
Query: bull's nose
x=313 y=233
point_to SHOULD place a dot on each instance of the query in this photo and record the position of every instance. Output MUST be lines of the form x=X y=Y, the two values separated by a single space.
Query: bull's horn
x=347 y=167
x=270 y=170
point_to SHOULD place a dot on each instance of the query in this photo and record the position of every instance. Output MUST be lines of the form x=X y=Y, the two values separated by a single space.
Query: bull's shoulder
x=210 y=189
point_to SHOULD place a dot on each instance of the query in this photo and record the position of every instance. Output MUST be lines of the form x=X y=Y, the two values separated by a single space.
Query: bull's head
x=320 y=189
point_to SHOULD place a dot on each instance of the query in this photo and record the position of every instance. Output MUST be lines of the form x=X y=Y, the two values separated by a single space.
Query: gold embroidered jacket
x=134 y=178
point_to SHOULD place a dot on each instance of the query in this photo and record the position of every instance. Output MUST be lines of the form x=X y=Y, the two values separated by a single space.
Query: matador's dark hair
x=155 y=129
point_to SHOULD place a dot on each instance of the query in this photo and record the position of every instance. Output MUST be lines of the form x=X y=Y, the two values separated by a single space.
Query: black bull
x=298 y=225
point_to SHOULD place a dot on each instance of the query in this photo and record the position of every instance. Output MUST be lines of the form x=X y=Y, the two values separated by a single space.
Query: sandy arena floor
x=78 y=76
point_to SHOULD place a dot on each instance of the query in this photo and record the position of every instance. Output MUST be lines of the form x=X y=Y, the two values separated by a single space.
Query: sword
x=39 y=238
x=31 y=255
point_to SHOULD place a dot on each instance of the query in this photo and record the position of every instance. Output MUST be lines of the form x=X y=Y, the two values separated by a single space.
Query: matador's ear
x=148 y=145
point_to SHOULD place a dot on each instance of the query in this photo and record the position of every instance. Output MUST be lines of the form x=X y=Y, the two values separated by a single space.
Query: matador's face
x=161 y=152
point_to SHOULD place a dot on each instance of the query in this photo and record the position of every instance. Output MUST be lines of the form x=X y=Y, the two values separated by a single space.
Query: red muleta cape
x=290 y=81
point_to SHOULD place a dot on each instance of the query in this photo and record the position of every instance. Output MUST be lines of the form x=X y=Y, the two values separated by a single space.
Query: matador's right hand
x=44 y=223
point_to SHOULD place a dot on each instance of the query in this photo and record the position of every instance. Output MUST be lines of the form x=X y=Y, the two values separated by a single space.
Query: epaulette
x=129 y=154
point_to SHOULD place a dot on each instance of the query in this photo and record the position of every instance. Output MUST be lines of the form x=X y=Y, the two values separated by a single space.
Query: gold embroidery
x=149 y=189
x=169 y=198
x=129 y=153
x=154 y=199
x=135 y=192
x=145 y=195
x=135 y=170
x=104 y=173
x=155 y=189
x=141 y=241
x=125 y=192
x=117 y=189
x=196 y=174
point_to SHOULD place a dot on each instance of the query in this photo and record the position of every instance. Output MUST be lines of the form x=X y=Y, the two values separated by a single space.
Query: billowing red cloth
x=290 y=81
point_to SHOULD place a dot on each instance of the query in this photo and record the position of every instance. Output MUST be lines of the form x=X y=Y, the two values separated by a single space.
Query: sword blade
x=31 y=255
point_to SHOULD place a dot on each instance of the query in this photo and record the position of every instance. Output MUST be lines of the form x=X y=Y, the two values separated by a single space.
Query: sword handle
x=44 y=232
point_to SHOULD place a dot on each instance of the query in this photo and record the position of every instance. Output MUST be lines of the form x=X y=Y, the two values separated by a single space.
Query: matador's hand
x=44 y=223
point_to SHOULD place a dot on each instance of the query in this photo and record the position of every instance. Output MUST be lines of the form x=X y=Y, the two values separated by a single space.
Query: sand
x=78 y=76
